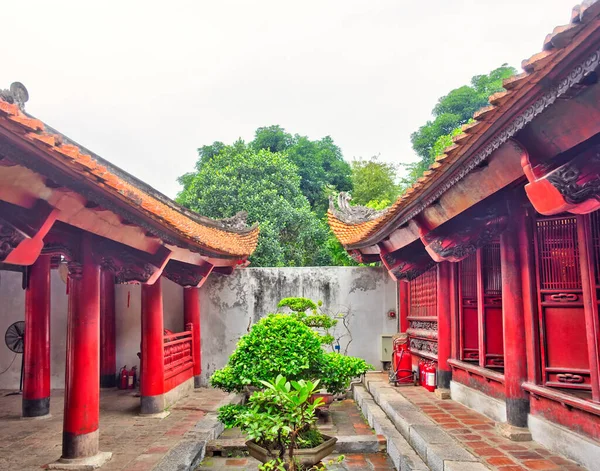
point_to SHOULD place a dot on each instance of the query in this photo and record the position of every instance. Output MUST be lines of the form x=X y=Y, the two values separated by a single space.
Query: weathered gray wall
x=230 y=304
x=12 y=308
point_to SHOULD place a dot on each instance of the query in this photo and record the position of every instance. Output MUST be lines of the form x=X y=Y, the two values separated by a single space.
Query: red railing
x=179 y=357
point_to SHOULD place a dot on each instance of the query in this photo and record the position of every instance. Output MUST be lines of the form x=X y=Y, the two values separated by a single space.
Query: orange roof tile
x=585 y=20
x=193 y=229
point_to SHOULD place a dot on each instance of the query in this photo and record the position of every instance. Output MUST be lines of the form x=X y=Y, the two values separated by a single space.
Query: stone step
x=346 y=444
x=226 y=447
x=435 y=448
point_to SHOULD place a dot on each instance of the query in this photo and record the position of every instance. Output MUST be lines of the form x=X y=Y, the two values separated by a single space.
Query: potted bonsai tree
x=280 y=425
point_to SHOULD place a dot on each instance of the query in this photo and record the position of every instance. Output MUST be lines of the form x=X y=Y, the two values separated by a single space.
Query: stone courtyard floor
x=137 y=444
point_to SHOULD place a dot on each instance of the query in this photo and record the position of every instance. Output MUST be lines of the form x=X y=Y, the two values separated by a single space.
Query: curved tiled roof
x=224 y=237
x=476 y=137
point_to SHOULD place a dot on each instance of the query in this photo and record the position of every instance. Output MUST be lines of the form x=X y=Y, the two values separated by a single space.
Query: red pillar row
x=108 y=352
x=152 y=376
x=444 y=286
x=191 y=315
x=36 y=355
x=82 y=378
x=513 y=317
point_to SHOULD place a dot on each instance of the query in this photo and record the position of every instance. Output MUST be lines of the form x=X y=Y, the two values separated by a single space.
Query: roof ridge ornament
x=352 y=214
x=235 y=223
x=16 y=95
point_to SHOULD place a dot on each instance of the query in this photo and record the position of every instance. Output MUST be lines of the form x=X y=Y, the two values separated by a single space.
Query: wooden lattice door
x=492 y=330
x=469 y=318
x=564 y=351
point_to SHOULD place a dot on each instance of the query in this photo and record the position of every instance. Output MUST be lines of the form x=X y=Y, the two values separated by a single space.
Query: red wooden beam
x=444 y=310
x=515 y=372
x=191 y=315
x=152 y=362
x=108 y=350
x=82 y=378
x=36 y=356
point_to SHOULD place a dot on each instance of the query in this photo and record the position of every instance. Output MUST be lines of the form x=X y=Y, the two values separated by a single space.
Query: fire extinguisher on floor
x=132 y=377
x=123 y=378
x=428 y=376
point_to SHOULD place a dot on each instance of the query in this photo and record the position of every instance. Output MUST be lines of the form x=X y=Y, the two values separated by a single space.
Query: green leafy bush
x=282 y=419
x=338 y=370
x=277 y=344
x=298 y=304
x=229 y=413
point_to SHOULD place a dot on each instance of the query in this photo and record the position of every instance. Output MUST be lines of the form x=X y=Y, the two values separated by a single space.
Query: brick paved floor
x=137 y=444
x=365 y=462
x=478 y=435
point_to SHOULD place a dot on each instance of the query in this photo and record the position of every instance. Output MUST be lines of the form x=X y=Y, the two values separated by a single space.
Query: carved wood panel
x=422 y=314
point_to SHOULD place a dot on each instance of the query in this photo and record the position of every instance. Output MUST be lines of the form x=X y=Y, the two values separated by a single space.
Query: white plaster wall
x=12 y=308
x=231 y=304
x=128 y=328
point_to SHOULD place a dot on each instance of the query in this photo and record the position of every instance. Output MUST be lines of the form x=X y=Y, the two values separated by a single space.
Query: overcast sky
x=145 y=83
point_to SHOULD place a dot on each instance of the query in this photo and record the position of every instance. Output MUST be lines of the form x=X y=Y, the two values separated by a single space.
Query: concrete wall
x=12 y=308
x=231 y=304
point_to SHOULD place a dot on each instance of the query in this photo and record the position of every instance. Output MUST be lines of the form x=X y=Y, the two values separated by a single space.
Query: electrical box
x=387 y=347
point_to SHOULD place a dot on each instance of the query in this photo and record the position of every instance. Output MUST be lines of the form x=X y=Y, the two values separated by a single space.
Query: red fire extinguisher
x=429 y=374
x=132 y=377
x=123 y=378
x=401 y=372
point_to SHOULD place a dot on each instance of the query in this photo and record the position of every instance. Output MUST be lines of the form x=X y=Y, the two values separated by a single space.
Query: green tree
x=266 y=185
x=320 y=163
x=373 y=182
x=450 y=113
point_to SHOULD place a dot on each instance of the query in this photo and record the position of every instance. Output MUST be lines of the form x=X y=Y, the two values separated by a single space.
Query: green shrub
x=337 y=371
x=277 y=344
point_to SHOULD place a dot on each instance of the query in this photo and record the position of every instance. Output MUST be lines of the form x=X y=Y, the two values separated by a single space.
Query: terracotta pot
x=327 y=398
x=307 y=457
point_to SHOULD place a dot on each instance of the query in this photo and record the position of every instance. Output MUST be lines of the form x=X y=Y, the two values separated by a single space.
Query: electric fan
x=15 y=341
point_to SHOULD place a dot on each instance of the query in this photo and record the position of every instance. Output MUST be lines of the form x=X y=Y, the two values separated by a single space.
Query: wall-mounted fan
x=15 y=341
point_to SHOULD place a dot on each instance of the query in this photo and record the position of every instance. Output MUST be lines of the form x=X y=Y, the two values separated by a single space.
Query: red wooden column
x=36 y=356
x=108 y=351
x=515 y=353
x=152 y=376
x=444 y=309
x=82 y=376
x=590 y=303
x=191 y=315
x=403 y=305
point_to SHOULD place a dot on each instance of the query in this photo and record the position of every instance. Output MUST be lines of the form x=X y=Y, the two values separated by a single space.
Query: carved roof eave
x=353 y=214
x=486 y=144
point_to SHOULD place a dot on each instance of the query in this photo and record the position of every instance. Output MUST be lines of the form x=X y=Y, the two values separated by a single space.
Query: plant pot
x=306 y=457
x=327 y=398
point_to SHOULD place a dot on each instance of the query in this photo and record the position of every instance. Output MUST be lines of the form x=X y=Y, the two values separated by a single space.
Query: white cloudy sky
x=144 y=83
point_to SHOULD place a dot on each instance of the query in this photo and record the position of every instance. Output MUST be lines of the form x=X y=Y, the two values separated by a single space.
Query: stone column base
x=152 y=404
x=442 y=393
x=197 y=382
x=157 y=415
x=32 y=408
x=82 y=464
x=516 y=434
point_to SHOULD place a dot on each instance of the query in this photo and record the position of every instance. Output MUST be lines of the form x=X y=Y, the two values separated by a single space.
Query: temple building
x=64 y=208
x=496 y=250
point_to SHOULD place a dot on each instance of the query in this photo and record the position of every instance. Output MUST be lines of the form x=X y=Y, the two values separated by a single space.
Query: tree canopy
x=266 y=185
x=450 y=113
x=374 y=183
x=320 y=163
